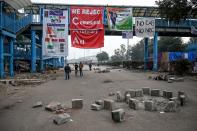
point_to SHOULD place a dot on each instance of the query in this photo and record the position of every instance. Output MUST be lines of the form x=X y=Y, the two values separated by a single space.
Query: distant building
x=87 y=59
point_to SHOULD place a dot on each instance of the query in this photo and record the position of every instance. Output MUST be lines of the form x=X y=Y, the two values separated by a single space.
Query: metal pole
x=155 y=52
x=1 y=57
x=33 y=51
x=145 y=53
x=11 y=67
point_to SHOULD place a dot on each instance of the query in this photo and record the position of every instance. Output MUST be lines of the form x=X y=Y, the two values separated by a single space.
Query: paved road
x=22 y=117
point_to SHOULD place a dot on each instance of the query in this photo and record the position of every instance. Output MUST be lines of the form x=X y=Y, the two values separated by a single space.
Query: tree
x=170 y=44
x=176 y=9
x=137 y=52
x=192 y=40
x=119 y=54
x=103 y=56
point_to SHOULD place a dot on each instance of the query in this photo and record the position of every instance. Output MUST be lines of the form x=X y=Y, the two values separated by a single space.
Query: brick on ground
x=149 y=106
x=118 y=115
x=96 y=107
x=38 y=104
x=134 y=104
x=155 y=92
x=100 y=102
x=139 y=93
x=170 y=107
x=146 y=90
x=61 y=119
x=169 y=94
x=77 y=103
x=52 y=106
x=109 y=104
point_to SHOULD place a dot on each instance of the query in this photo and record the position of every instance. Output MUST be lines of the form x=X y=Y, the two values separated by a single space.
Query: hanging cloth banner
x=87 y=38
x=86 y=18
x=120 y=19
x=55 y=33
x=144 y=27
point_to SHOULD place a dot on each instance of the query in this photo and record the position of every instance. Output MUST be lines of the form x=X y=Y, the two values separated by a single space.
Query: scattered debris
x=139 y=93
x=111 y=94
x=107 y=81
x=96 y=107
x=118 y=115
x=119 y=97
x=171 y=107
x=149 y=106
x=77 y=103
x=20 y=101
x=61 y=119
x=100 y=102
x=38 y=104
x=53 y=106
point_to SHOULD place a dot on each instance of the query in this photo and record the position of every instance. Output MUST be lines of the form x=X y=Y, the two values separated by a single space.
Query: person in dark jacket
x=76 y=69
x=67 y=71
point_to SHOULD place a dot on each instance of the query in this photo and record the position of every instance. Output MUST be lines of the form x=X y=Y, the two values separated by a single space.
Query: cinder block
x=149 y=106
x=139 y=93
x=155 y=92
x=118 y=115
x=77 y=103
x=134 y=104
x=109 y=104
x=96 y=107
x=146 y=90
x=61 y=119
x=52 y=106
x=169 y=94
x=100 y=102
x=164 y=93
x=171 y=107
x=132 y=92
x=119 y=96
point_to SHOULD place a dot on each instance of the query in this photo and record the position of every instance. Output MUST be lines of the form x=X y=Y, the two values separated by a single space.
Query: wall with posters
x=55 y=33
x=144 y=27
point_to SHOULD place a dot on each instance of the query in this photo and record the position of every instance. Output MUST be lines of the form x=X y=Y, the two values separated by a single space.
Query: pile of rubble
x=141 y=99
x=166 y=77
x=61 y=110
x=99 y=70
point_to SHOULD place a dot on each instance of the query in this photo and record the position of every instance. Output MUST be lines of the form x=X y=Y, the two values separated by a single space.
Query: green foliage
x=170 y=44
x=176 y=9
x=137 y=51
x=119 y=54
x=181 y=66
x=103 y=56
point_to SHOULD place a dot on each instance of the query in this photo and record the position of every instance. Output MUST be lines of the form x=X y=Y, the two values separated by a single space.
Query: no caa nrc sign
x=144 y=27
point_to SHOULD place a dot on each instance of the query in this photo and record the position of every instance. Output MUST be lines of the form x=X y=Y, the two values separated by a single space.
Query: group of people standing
x=67 y=70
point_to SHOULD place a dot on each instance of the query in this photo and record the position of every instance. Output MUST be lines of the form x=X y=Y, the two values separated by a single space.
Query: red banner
x=86 y=17
x=87 y=38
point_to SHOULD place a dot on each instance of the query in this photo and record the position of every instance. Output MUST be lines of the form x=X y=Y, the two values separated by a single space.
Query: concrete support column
x=62 y=61
x=1 y=57
x=41 y=54
x=33 y=51
x=145 y=53
x=155 y=52
x=11 y=64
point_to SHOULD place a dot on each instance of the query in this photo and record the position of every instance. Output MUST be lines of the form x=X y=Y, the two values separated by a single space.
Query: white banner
x=127 y=34
x=55 y=33
x=144 y=27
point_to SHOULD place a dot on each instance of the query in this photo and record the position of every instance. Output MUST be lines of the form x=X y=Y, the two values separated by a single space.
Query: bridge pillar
x=62 y=61
x=1 y=57
x=33 y=51
x=11 y=64
x=145 y=53
x=155 y=52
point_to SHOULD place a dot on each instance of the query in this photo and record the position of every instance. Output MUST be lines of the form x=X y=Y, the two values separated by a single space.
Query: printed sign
x=144 y=27
x=120 y=19
x=87 y=38
x=127 y=34
x=86 y=26
x=86 y=17
x=55 y=33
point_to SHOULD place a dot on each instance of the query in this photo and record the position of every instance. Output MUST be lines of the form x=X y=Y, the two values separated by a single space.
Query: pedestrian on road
x=90 y=66
x=81 y=69
x=76 y=69
x=67 y=71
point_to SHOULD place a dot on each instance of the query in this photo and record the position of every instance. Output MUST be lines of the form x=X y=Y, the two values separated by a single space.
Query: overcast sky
x=110 y=42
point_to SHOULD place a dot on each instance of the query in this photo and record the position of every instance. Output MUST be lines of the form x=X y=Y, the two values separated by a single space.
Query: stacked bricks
x=109 y=104
x=134 y=104
x=118 y=115
x=139 y=93
x=146 y=90
x=77 y=103
x=155 y=92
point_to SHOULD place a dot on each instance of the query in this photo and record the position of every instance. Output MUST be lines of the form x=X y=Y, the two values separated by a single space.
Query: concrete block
x=164 y=93
x=149 y=106
x=131 y=92
x=169 y=94
x=61 y=119
x=77 y=103
x=134 y=104
x=96 y=107
x=170 y=107
x=100 y=102
x=155 y=92
x=119 y=97
x=139 y=93
x=109 y=104
x=118 y=115
x=146 y=90
x=175 y=99
x=52 y=106
x=38 y=104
